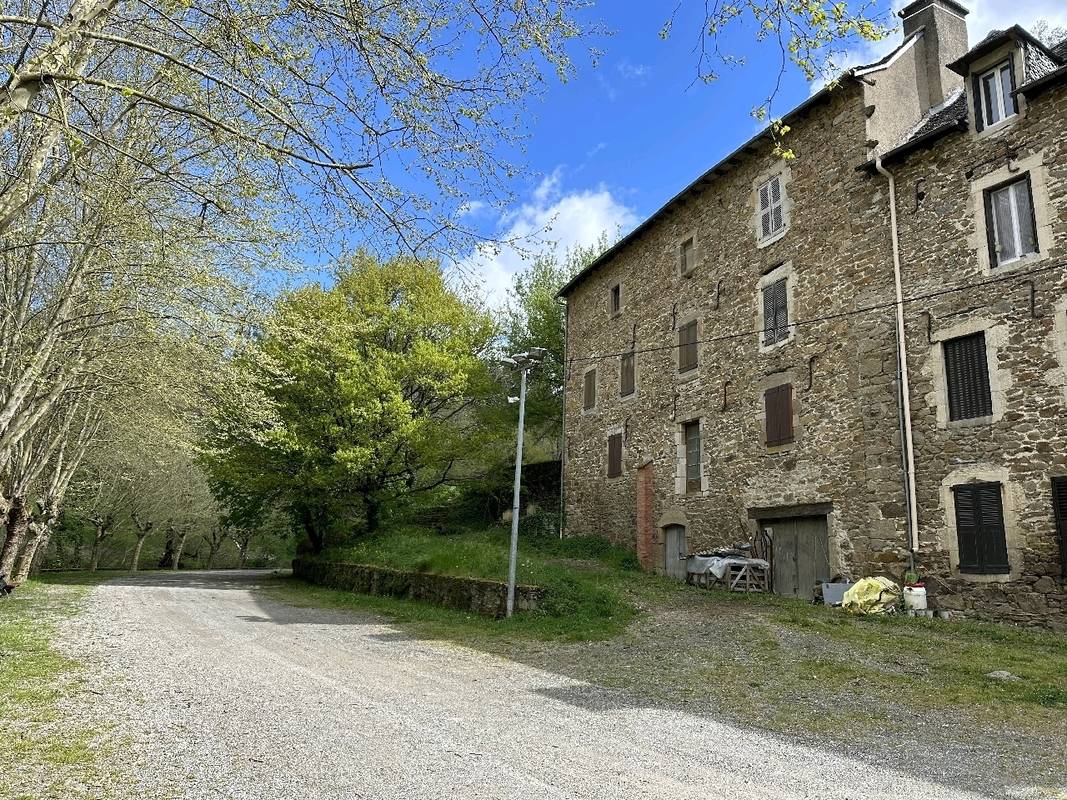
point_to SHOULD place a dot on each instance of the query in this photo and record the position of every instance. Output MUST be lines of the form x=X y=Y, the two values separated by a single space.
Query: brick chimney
x=944 y=39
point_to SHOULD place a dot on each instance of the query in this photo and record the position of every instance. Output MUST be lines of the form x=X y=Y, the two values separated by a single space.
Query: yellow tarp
x=871 y=596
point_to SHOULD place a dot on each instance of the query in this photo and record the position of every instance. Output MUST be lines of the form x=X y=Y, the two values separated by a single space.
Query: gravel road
x=223 y=694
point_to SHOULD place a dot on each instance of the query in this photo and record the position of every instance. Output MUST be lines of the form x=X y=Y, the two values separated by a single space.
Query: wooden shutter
x=590 y=389
x=1059 y=507
x=765 y=210
x=778 y=406
x=614 y=455
x=979 y=116
x=687 y=347
x=1033 y=213
x=967 y=375
x=990 y=228
x=692 y=456
x=776 y=203
x=775 y=312
x=980 y=528
x=626 y=375
x=1014 y=83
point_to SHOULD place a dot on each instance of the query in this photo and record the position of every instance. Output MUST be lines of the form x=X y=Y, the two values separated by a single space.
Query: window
x=626 y=375
x=967 y=377
x=1011 y=228
x=1059 y=506
x=614 y=455
x=778 y=405
x=775 y=313
x=691 y=432
x=771 y=211
x=687 y=347
x=980 y=528
x=993 y=99
x=590 y=389
x=687 y=256
x=616 y=298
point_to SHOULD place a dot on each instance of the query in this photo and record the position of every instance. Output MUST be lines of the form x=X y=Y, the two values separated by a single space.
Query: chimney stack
x=944 y=39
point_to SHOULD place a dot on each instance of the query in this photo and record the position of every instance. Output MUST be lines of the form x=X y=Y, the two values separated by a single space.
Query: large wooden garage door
x=801 y=555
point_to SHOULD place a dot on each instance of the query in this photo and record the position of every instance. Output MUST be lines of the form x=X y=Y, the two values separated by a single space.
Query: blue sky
x=610 y=146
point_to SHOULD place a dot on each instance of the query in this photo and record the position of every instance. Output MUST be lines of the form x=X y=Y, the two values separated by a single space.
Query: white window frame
x=1004 y=105
x=772 y=205
x=1012 y=189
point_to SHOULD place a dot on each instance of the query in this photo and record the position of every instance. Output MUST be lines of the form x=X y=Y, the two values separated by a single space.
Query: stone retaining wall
x=466 y=594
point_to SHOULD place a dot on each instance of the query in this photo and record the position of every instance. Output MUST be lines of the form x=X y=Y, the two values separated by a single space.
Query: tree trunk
x=167 y=558
x=374 y=515
x=242 y=553
x=136 y=560
x=18 y=522
x=34 y=548
x=98 y=540
x=178 y=551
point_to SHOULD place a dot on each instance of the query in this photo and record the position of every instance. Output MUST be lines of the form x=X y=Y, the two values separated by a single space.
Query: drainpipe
x=563 y=430
x=904 y=404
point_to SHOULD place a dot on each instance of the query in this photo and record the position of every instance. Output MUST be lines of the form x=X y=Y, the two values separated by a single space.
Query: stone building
x=734 y=362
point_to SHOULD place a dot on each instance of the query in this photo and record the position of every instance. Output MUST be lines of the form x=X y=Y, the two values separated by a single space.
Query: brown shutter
x=967 y=375
x=778 y=406
x=692 y=456
x=979 y=120
x=590 y=389
x=626 y=375
x=687 y=347
x=614 y=455
x=1059 y=507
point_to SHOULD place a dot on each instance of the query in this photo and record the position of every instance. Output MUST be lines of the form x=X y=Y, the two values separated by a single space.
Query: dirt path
x=225 y=695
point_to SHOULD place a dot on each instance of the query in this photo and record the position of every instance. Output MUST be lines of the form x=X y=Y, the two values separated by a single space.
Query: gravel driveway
x=223 y=694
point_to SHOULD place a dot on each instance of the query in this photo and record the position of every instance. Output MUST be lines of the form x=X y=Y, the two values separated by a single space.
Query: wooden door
x=674 y=551
x=801 y=555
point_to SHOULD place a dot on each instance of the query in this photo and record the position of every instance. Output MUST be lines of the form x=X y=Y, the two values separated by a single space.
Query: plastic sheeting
x=872 y=596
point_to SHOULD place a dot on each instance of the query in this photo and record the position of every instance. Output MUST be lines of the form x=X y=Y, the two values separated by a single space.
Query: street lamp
x=523 y=362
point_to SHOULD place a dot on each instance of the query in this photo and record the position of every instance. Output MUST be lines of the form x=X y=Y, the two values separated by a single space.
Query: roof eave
x=900 y=152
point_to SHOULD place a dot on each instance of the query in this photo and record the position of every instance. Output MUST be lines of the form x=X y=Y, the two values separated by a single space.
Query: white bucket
x=915 y=598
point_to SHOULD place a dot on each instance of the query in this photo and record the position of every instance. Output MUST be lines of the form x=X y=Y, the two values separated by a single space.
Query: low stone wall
x=466 y=594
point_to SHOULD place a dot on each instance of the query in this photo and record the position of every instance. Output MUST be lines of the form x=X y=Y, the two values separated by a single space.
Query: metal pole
x=515 y=498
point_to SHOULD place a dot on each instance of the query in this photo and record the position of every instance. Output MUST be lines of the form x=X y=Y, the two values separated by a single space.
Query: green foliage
x=534 y=317
x=353 y=397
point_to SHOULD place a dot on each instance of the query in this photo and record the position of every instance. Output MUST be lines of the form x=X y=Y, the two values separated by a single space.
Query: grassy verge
x=43 y=755
x=755 y=660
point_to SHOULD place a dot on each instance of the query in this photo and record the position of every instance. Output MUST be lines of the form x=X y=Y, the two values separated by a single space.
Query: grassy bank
x=751 y=660
x=43 y=754
x=585 y=579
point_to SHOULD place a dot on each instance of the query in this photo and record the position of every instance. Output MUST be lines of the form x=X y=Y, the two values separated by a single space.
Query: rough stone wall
x=842 y=368
x=1025 y=442
x=465 y=594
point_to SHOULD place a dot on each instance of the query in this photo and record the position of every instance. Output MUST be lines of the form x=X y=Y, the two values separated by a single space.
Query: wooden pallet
x=738 y=578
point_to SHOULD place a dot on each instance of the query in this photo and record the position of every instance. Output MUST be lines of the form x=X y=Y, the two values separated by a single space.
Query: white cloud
x=630 y=71
x=552 y=220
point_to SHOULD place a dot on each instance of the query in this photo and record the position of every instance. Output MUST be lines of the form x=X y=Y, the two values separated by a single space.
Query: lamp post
x=524 y=362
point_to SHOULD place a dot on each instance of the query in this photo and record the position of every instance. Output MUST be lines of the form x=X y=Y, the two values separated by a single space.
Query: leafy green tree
x=366 y=394
x=534 y=317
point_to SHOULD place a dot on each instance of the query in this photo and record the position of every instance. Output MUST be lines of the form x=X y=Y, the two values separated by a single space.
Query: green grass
x=584 y=579
x=40 y=750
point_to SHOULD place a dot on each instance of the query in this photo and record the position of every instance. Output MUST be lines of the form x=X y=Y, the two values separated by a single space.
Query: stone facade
x=840 y=356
